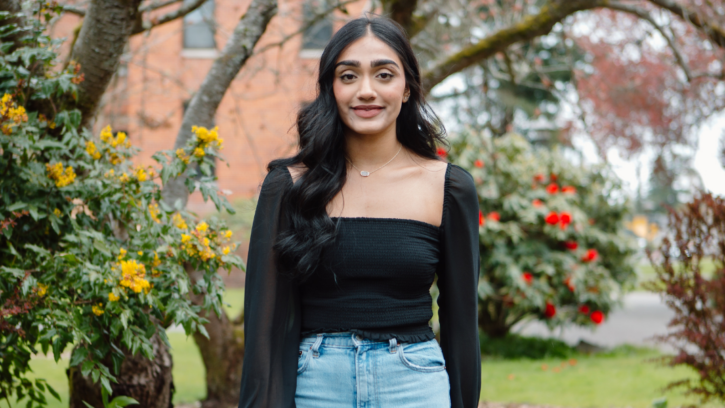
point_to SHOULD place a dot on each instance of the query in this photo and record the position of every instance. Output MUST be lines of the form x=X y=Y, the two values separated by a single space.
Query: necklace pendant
x=364 y=173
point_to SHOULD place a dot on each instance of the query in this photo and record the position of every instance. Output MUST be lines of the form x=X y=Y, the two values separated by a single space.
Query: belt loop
x=316 y=346
x=393 y=345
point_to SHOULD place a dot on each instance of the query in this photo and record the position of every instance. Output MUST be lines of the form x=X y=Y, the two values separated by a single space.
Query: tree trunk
x=492 y=319
x=147 y=381
x=222 y=353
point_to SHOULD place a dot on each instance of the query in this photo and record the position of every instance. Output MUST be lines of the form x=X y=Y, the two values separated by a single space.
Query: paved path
x=643 y=316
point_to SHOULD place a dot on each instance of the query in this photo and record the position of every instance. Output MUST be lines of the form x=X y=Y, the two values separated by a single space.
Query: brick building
x=163 y=68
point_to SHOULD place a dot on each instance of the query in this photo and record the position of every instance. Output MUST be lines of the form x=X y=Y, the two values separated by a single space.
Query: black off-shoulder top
x=393 y=290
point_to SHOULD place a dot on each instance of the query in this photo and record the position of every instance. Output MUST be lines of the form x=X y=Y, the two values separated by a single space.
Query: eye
x=347 y=77
x=386 y=75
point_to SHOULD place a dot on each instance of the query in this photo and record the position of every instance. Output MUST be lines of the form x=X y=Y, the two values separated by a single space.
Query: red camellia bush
x=478 y=163
x=481 y=219
x=552 y=249
x=584 y=309
x=442 y=152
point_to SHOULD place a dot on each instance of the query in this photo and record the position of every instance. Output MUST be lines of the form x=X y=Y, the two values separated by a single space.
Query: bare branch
x=532 y=26
x=154 y=5
x=401 y=11
x=74 y=10
x=171 y=16
x=644 y=15
x=314 y=20
x=715 y=32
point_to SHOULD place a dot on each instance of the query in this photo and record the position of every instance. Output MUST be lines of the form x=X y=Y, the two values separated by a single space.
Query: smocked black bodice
x=374 y=281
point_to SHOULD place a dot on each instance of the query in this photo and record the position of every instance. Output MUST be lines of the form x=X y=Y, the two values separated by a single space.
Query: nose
x=366 y=91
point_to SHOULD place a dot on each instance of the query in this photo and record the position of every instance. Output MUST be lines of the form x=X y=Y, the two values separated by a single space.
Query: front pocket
x=425 y=356
x=302 y=360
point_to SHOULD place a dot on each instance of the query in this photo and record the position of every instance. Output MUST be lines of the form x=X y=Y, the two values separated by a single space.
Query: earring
x=405 y=98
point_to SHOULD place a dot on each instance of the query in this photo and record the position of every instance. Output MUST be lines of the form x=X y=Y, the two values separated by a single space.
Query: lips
x=367 y=111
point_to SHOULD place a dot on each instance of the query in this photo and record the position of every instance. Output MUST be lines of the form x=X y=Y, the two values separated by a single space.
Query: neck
x=370 y=151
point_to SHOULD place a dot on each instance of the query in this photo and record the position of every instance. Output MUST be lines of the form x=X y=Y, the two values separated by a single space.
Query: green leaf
x=87 y=367
x=88 y=405
x=122 y=401
x=53 y=392
x=79 y=354
x=16 y=206
x=102 y=247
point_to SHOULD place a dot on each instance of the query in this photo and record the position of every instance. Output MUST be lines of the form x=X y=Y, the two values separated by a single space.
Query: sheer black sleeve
x=458 y=285
x=271 y=309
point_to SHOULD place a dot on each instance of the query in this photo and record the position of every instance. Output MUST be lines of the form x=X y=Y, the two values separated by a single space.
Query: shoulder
x=296 y=171
x=461 y=190
x=276 y=181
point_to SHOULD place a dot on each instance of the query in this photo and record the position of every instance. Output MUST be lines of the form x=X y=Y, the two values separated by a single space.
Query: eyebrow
x=373 y=63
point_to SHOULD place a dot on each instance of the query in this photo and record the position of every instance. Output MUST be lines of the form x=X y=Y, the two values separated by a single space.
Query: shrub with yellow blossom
x=91 y=255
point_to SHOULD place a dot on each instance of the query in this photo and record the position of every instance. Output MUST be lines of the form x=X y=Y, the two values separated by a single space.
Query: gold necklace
x=367 y=173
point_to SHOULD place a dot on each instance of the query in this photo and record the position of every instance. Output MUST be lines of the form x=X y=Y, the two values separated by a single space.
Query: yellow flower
x=57 y=212
x=141 y=174
x=157 y=261
x=97 y=309
x=18 y=114
x=62 y=177
x=7 y=129
x=92 y=151
x=207 y=137
x=133 y=276
x=154 y=212
x=181 y=154
x=42 y=289
x=206 y=241
x=107 y=135
x=51 y=125
x=109 y=173
x=124 y=178
x=199 y=152
x=185 y=238
x=226 y=250
x=121 y=254
x=140 y=253
x=227 y=234
x=179 y=222
x=5 y=104
x=202 y=227
x=112 y=297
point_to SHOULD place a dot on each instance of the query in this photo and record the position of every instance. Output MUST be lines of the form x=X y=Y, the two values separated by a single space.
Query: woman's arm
x=271 y=309
x=458 y=285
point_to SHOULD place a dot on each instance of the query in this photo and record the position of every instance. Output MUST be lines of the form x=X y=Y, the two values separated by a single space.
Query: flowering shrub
x=89 y=252
x=553 y=245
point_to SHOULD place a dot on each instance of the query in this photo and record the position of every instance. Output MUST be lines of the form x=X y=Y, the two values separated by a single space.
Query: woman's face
x=369 y=86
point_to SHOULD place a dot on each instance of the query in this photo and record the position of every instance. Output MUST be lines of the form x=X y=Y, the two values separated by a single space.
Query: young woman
x=347 y=238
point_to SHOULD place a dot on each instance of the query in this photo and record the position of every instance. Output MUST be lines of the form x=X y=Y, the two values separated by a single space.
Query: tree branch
x=715 y=32
x=105 y=32
x=401 y=11
x=531 y=26
x=314 y=20
x=74 y=10
x=171 y=16
x=204 y=104
x=157 y=5
x=644 y=15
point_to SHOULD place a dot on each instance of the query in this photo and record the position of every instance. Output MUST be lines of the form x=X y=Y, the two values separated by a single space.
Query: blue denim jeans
x=342 y=370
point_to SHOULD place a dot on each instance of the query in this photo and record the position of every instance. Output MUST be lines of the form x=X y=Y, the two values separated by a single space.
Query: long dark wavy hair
x=310 y=230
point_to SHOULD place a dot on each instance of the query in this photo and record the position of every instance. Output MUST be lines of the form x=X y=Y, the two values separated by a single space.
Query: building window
x=199 y=29
x=315 y=37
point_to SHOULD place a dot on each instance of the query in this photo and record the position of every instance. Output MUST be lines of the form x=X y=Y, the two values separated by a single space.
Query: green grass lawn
x=624 y=378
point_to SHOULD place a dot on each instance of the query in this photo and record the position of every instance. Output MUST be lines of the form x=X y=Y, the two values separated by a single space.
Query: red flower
x=528 y=277
x=481 y=220
x=537 y=203
x=584 y=309
x=591 y=255
x=539 y=177
x=568 y=283
x=552 y=188
x=565 y=217
x=550 y=310
x=571 y=245
x=553 y=177
x=597 y=317
x=441 y=152
x=552 y=218
x=478 y=163
x=493 y=215
x=568 y=190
